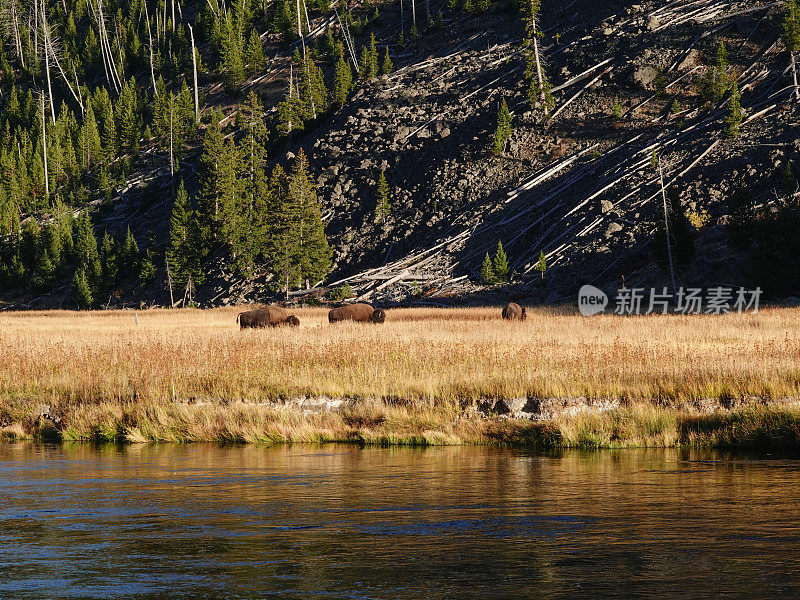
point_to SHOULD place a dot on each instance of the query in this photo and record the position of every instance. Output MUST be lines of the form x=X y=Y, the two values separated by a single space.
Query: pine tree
x=109 y=261
x=86 y=250
x=254 y=55
x=232 y=52
x=503 y=131
x=129 y=263
x=313 y=92
x=128 y=117
x=302 y=254
x=541 y=264
x=789 y=184
x=500 y=264
x=734 y=117
x=81 y=289
x=369 y=59
x=178 y=252
x=343 y=79
x=538 y=85
x=105 y=117
x=386 y=67
x=716 y=82
x=208 y=205
x=383 y=207
x=314 y=253
x=89 y=140
x=487 y=271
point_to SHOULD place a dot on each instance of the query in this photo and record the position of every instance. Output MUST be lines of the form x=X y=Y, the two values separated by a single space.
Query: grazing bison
x=361 y=313
x=514 y=312
x=272 y=316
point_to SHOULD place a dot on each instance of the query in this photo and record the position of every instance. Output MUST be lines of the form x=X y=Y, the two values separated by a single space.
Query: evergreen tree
x=716 y=82
x=29 y=244
x=386 y=66
x=500 y=264
x=313 y=92
x=303 y=253
x=369 y=59
x=503 y=131
x=541 y=265
x=109 y=261
x=179 y=252
x=487 y=270
x=129 y=263
x=343 y=79
x=538 y=85
x=232 y=52
x=105 y=116
x=734 y=116
x=89 y=140
x=128 y=117
x=789 y=183
x=384 y=207
x=254 y=55
x=208 y=205
x=86 y=250
x=81 y=289
x=183 y=117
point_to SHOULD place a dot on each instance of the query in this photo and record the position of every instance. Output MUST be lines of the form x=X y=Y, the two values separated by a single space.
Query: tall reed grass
x=192 y=375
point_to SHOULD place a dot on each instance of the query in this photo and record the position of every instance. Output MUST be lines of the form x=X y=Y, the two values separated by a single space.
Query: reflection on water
x=345 y=522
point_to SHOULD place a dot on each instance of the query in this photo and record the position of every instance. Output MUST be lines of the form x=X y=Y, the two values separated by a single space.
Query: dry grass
x=419 y=371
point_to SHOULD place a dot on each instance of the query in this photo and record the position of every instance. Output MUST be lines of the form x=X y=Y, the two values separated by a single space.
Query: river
x=203 y=521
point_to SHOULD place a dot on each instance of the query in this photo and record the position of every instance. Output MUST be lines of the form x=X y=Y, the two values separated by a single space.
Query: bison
x=361 y=313
x=272 y=316
x=514 y=312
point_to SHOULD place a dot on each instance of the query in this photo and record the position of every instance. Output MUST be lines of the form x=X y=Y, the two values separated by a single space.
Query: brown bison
x=361 y=313
x=272 y=316
x=514 y=312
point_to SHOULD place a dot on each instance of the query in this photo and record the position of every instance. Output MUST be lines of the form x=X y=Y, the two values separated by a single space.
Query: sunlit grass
x=189 y=375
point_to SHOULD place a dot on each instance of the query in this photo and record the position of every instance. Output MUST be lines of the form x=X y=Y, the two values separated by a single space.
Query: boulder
x=646 y=76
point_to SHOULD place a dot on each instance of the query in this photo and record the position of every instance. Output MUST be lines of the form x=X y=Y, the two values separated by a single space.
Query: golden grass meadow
x=192 y=375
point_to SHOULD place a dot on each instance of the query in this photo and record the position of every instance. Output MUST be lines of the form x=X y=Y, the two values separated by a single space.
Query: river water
x=202 y=521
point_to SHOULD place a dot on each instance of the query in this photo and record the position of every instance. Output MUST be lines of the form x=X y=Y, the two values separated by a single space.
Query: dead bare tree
x=11 y=21
x=194 y=70
x=44 y=151
x=52 y=54
x=150 y=48
x=47 y=62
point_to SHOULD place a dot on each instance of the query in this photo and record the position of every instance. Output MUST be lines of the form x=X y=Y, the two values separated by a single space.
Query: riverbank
x=373 y=423
x=425 y=377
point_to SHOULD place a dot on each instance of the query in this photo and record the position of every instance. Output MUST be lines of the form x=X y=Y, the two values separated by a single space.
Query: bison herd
x=275 y=316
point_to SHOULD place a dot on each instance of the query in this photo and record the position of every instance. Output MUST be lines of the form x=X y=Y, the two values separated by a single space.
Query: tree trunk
x=539 y=76
x=194 y=69
x=300 y=29
x=413 y=13
x=49 y=48
x=47 y=64
x=666 y=227
x=150 y=47
x=44 y=152
x=794 y=76
x=17 y=38
x=171 y=155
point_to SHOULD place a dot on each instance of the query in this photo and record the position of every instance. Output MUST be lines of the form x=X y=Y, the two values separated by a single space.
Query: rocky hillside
x=577 y=185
